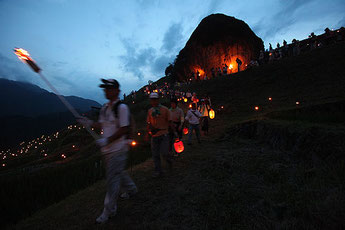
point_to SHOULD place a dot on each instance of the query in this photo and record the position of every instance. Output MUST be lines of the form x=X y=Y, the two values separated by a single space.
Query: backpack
x=131 y=133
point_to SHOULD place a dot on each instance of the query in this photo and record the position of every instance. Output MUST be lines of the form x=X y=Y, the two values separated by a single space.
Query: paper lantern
x=185 y=100
x=178 y=146
x=211 y=114
x=256 y=108
x=133 y=143
x=185 y=131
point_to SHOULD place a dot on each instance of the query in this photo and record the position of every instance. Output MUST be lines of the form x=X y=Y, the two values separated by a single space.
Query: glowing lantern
x=211 y=114
x=178 y=146
x=185 y=131
x=139 y=134
x=133 y=143
x=270 y=98
x=297 y=102
x=185 y=100
x=63 y=156
x=190 y=105
x=222 y=107
x=256 y=108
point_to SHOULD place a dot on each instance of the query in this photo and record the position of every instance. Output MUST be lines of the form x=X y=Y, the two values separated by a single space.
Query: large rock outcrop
x=217 y=41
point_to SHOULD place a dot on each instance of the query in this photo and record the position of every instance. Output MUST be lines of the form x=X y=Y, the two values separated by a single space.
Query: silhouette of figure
x=239 y=63
x=284 y=43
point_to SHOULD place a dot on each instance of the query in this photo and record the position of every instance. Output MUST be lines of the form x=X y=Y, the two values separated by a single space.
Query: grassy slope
x=228 y=182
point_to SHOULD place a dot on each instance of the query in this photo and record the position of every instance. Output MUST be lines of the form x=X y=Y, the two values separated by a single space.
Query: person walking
x=177 y=117
x=158 y=124
x=114 y=119
x=193 y=117
x=204 y=108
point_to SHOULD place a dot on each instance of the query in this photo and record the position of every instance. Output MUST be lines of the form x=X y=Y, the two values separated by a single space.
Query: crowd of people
x=164 y=127
x=297 y=47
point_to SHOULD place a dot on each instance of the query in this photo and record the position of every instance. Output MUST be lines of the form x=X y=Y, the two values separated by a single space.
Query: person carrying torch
x=114 y=119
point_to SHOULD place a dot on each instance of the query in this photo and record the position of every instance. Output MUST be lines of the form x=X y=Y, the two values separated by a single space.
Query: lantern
x=211 y=114
x=133 y=143
x=178 y=146
x=270 y=98
x=297 y=102
x=256 y=108
x=185 y=131
x=185 y=99
x=190 y=105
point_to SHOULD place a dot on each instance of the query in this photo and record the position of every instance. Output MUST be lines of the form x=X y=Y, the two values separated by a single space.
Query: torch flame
x=231 y=66
x=22 y=54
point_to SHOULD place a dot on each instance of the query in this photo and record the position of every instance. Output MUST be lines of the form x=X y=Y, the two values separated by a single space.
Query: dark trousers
x=160 y=147
x=197 y=132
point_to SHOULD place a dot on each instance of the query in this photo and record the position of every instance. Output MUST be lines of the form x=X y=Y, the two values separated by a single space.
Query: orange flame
x=22 y=54
x=133 y=143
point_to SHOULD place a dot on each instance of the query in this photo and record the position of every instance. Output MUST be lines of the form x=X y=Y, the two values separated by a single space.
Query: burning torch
x=24 y=56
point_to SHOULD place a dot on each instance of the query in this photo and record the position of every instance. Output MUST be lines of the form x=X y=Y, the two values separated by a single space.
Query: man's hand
x=101 y=142
x=85 y=121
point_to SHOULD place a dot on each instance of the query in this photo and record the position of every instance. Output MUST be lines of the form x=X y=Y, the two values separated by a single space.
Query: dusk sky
x=78 y=42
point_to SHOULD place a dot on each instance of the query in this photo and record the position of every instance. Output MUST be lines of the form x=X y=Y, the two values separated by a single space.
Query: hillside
x=281 y=167
x=25 y=99
x=28 y=111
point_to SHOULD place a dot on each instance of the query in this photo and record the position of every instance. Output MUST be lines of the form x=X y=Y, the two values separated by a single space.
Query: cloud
x=151 y=61
x=14 y=70
x=173 y=38
x=281 y=20
x=136 y=60
x=214 y=5
x=341 y=22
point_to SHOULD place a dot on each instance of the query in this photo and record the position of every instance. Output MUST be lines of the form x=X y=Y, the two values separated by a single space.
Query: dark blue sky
x=78 y=42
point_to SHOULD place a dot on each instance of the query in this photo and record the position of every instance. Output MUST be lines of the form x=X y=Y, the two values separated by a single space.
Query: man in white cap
x=114 y=119
x=158 y=123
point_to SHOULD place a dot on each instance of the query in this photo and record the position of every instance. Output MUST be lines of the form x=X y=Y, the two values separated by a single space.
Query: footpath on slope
x=226 y=182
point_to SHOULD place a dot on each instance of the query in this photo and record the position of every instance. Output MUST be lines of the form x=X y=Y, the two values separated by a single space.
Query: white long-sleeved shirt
x=191 y=118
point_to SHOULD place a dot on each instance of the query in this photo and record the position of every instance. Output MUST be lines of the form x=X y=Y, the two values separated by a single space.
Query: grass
x=237 y=181
x=229 y=184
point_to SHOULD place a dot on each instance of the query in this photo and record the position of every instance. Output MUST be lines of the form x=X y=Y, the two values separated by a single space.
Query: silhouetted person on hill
x=270 y=45
x=239 y=63
x=197 y=75
x=278 y=45
x=213 y=72
x=284 y=43
x=114 y=119
x=225 y=70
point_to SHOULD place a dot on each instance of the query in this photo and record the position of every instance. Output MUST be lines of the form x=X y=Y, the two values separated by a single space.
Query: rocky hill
x=217 y=42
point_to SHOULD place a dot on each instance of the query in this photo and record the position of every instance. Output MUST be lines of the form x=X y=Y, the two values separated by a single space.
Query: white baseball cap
x=154 y=96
